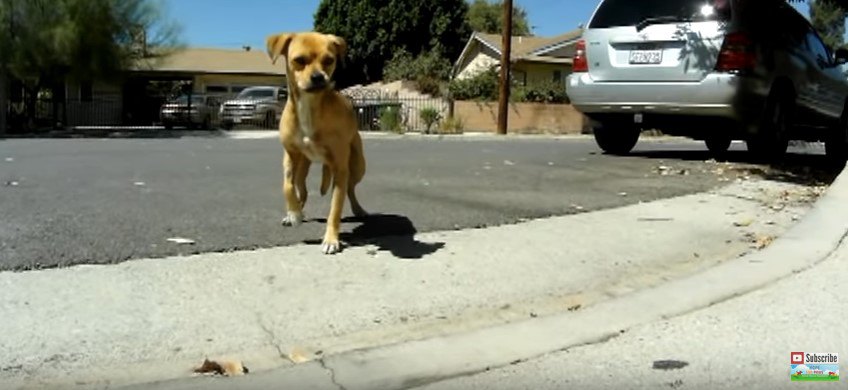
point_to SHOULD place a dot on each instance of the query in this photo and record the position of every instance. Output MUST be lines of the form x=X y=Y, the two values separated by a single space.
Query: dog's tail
x=326 y=175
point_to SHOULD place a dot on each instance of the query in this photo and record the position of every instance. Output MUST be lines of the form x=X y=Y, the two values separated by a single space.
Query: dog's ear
x=278 y=45
x=340 y=44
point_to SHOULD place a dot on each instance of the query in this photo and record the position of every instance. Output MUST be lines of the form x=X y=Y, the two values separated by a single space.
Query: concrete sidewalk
x=141 y=321
x=743 y=343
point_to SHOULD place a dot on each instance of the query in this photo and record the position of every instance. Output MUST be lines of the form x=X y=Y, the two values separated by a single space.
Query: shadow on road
x=798 y=168
x=389 y=232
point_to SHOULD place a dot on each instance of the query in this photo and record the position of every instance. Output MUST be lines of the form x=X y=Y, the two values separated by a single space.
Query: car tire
x=772 y=138
x=616 y=138
x=718 y=144
x=836 y=142
x=270 y=120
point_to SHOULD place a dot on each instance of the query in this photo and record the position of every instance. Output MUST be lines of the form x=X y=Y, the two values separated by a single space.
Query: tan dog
x=318 y=125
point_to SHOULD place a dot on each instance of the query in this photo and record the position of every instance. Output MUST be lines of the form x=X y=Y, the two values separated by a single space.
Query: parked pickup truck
x=258 y=106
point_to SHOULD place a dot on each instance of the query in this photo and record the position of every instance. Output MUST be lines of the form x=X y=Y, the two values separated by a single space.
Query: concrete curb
x=809 y=242
x=411 y=364
x=399 y=366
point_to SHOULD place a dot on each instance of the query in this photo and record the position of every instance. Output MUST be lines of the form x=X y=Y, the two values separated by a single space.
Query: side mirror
x=841 y=56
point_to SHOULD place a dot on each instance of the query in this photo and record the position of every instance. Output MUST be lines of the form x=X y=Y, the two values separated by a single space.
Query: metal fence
x=378 y=110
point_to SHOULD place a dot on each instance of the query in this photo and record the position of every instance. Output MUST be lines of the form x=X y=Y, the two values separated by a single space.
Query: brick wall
x=524 y=118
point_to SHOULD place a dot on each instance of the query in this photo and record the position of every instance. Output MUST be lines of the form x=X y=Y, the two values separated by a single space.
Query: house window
x=557 y=76
x=86 y=91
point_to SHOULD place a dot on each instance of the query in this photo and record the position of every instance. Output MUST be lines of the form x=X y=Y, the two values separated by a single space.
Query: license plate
x=236 y=120
x=645 y=57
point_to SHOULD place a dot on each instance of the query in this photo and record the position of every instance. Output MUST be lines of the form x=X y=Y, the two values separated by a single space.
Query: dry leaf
x=744 y=223
x=298 y=355
x=181 y=241
x=763 y=241
x=225 y=367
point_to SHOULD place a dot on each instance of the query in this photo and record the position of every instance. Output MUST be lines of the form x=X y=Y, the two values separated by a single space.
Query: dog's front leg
x=331 y=243
x=294 y=208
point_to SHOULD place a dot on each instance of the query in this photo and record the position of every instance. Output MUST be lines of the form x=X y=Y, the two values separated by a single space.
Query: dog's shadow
x=392 y=233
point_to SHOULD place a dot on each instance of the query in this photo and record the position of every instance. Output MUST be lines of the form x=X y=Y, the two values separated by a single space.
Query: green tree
x=46 y=42
x=828 y=18
x=377 y=30
x=487 y=17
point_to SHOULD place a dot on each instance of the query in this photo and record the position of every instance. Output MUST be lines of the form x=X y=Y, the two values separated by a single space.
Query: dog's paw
x=292 y=219
x=331 y=247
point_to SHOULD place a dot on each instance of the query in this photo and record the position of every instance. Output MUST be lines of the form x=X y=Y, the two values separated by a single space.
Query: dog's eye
x=327 y=61
x=300 y=61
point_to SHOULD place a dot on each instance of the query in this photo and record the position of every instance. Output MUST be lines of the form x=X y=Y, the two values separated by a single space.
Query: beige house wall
x=480 y=59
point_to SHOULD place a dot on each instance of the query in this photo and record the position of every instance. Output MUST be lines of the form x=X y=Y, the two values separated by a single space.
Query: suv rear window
x=617 y=13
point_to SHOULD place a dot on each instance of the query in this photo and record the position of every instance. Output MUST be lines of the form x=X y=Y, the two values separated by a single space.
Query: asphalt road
x=100 y=201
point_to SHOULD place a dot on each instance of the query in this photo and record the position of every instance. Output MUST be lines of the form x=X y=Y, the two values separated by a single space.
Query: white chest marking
x=307 y=131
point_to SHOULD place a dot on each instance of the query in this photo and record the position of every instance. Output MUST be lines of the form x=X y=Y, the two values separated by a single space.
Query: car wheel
x=718 y=144
x=616 y=138
x=270 y=120
x=836 y=143
x=772 y=138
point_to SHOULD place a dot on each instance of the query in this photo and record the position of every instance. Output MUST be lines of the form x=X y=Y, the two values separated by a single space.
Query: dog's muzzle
x=317 y=82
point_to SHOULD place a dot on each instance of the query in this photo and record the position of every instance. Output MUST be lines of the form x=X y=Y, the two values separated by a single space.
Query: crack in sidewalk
x=332 y=372
x=272 y=338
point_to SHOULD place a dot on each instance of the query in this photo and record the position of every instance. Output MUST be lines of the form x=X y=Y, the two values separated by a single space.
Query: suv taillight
x=581 y=63
x=737 y=54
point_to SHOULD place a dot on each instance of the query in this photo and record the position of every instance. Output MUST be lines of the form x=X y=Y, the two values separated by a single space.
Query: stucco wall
x=524 y=118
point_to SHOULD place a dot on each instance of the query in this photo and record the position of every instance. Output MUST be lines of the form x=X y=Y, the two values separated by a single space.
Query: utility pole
x=503 y=96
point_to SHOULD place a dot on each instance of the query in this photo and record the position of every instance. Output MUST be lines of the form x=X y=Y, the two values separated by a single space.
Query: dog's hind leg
x=357 y=172
x=326 y=177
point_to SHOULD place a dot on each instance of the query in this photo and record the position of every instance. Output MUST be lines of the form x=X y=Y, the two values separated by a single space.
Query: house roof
x=524 y=48
x=208 y=60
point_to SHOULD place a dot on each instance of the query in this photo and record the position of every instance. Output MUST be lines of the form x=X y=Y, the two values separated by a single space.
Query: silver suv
x=713 y=70
x=261 y=106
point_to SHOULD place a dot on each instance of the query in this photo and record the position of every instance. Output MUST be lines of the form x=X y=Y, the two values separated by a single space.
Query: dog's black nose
x=318 y=78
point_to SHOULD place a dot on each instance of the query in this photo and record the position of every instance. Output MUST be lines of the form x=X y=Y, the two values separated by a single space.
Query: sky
x=233 y=24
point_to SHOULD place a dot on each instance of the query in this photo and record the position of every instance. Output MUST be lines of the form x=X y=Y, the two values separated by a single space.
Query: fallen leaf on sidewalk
x=181 y=241
x=744 y=223
x=575 y=307
x=224 y=367
x=297 y=355
x=763 y=241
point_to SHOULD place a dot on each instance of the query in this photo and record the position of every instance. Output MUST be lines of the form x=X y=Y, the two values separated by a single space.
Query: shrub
x=429 y=116
x=428 y=70
x=481 y=87
x=452 y=125
x=390 y=119
x=485 y=87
